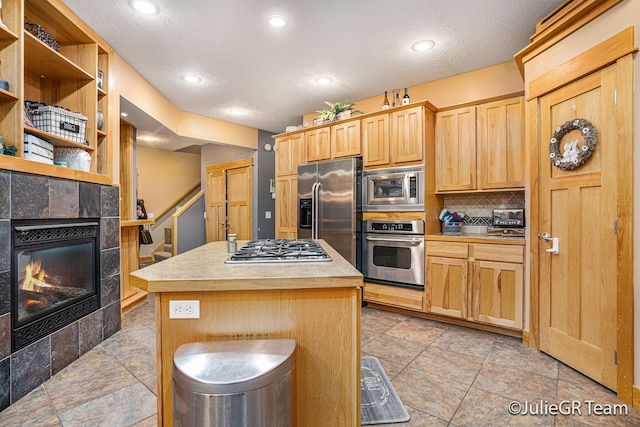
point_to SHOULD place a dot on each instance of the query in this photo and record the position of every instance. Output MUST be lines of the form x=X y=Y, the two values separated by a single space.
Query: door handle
x=554 y=242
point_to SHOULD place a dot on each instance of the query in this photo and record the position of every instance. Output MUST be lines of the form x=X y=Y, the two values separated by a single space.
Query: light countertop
x=203 y=269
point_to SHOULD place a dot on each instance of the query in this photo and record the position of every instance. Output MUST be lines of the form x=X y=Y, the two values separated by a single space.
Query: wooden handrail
x=178 y=200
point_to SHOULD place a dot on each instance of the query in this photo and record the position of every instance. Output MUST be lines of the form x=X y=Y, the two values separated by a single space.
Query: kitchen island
x=315 y=303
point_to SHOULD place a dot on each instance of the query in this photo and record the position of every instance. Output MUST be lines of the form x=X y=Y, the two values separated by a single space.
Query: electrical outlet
x=184 y=309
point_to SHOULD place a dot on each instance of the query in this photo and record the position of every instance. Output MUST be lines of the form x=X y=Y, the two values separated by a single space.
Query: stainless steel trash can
x=242 y=383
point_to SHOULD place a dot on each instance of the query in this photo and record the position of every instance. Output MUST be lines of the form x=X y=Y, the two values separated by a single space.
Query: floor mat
x=379 y=402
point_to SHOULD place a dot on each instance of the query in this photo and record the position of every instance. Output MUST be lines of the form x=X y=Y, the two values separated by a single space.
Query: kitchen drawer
x=393 y=296
x=504 y=253
x=448 y=249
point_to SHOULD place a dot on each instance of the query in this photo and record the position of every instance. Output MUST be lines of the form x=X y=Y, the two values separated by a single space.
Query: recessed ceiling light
x=145 y=7
x=423 y=45
x=123 y=114
x=236 y=111
x=323 y=81
x=277 y=21
x=190 y=78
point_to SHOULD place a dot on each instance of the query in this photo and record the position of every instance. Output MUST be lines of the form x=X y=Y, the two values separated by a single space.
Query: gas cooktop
x=279 y=250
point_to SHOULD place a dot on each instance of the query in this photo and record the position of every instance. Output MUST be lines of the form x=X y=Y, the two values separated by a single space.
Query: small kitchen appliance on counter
x=279 y=250
x=507 y=223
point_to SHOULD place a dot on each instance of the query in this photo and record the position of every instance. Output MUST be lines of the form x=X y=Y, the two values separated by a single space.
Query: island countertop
x=203 y=269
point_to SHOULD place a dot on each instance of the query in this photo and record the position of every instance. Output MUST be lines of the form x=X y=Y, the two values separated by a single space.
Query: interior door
x=239 y=202
x=216 y=205
x=578 y=207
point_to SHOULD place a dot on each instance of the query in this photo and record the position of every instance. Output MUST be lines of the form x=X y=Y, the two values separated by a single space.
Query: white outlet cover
x=184 y=309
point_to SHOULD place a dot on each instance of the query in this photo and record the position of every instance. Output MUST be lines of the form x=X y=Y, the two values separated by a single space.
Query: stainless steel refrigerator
x=329 y=205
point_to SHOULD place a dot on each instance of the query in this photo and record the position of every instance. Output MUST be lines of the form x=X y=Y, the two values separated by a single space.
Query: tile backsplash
x=478 y=206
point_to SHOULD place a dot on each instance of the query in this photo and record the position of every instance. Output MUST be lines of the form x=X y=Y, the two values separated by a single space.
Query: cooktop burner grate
x=279 y=250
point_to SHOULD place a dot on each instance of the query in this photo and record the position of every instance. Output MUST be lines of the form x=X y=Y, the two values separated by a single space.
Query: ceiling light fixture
x=236 y=111
x=277 y=21
x=123 y=114
x=190 y=78
x=423 y=45
x=145 y=7
x=323 y=81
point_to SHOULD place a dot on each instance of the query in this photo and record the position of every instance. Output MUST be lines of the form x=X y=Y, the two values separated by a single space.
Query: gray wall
x=192 y=227
x=263 y=227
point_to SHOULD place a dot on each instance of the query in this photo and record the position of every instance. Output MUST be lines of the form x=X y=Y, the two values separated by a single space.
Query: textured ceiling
x=363 y=45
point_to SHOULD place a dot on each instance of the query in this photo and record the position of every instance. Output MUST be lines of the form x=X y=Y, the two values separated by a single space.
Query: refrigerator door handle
x=314 y=211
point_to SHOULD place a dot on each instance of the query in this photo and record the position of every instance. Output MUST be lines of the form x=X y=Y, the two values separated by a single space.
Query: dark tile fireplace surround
x=33 y=197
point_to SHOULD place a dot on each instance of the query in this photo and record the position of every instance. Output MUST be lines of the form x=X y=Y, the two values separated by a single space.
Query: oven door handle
x=410 y=240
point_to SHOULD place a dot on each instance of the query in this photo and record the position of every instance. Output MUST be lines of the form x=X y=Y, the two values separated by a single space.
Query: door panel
x=216 y=206
x=239 y=202
x=578 y=285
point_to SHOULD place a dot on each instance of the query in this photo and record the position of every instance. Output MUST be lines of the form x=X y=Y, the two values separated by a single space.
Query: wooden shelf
x=29 y=166
x=56 y=140
x=4 y=94
x=7 y=35
x=38 y=57
x=101 y=93
x=101 y=133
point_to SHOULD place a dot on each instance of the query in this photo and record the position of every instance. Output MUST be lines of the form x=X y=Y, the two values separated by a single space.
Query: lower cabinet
x=476 y=282
x=393 y=296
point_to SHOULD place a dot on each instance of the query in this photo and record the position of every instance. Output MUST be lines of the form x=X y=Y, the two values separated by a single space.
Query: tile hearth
x=444 y=375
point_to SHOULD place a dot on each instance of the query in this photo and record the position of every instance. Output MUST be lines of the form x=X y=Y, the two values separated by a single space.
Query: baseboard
x=635 y=397
x=146 y=259
x=525 y=338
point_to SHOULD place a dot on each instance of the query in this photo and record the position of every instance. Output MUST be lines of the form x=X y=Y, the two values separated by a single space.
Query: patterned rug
x=379 y=402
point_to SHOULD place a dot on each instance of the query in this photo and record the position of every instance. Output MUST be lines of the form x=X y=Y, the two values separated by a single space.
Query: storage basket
x=60 y=122
x=451 y=227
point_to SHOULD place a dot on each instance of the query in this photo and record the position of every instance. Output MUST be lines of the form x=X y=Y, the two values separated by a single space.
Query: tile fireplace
x=59 y=276
x=54 y=276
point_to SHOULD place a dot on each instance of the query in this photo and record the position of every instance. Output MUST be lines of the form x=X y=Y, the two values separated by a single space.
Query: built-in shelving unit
x=67 y=77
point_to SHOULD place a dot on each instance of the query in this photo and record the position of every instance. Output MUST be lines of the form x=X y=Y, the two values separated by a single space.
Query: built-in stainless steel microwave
x=393 y=190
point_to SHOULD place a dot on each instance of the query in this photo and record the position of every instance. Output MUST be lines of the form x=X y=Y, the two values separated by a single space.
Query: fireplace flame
x=34 y=277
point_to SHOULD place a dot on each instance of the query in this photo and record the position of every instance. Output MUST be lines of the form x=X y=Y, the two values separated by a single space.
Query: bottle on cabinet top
x=385 y=103
x=405 y=98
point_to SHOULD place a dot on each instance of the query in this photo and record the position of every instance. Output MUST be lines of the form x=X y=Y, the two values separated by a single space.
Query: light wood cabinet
x=393 y=296
x=476 y=282
x=287 y=207
x=345 y=139
x=407 y=138
x=290 y=153
x=446 y=270
x=66 y=77
x=481 y=147
x=318 y=143
x=375 y=141
x=501 y=148
x=456 y=149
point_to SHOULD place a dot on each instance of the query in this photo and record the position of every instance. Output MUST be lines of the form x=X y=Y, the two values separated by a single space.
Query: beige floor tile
x=431 y=394
x=34 y=409
x=517 y=355
x=421 y=332
x=393 y=349
x=447 y=364
x=515 y=384
x=466 y=341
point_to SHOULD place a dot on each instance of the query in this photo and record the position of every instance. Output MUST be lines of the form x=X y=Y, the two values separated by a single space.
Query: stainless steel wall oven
x=393 y=253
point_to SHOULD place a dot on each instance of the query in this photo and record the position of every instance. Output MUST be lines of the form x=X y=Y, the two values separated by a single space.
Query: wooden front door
x=229 y=193
x=578 y=285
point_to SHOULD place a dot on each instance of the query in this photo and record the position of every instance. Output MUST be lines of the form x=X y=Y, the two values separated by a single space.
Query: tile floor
x=444 y=374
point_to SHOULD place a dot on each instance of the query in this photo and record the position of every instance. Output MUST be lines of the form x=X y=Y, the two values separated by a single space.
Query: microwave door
x=389 y=189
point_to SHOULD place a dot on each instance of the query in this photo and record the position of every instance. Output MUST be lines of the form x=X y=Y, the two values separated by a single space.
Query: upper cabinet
x=501 y=148
x=481 y=147
x=456 y=149
x=70 y=69
x=397 y=137
x=345 y=139
x=318 y=143
x=290 y=153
